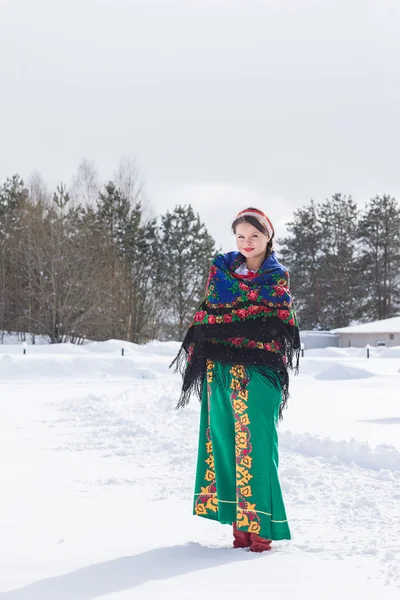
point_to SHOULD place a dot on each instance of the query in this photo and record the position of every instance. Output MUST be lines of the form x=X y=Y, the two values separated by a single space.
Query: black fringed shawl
x=248 y=321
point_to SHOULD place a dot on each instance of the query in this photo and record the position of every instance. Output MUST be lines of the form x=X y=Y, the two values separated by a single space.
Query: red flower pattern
x=241 y=313
x=280 y=291
x=199 y=316
x=273 y=346
x=254 y=310
x=252 y=295
x=283 y=314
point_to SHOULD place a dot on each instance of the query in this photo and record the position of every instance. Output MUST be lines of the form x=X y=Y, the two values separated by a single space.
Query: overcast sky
x=224 y=103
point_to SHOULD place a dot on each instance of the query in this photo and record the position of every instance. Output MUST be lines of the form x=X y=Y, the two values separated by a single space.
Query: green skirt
x=237 y=464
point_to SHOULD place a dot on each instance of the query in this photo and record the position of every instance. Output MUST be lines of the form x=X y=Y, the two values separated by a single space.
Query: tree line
x=344 y=262
x=94 y=264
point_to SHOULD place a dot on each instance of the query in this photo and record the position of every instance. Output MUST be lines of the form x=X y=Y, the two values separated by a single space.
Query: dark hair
x=258 y=225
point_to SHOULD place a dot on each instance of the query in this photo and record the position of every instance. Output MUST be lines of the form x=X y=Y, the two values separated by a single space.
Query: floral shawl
x=242 y=320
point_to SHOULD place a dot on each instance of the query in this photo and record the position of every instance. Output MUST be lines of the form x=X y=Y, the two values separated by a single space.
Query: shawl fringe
x=194 y=375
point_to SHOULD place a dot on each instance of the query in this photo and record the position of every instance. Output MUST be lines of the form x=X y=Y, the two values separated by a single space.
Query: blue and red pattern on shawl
x=271 y=282
x=248 y=321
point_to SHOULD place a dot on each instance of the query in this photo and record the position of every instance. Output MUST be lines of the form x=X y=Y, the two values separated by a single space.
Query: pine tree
x=30 y=263
x=144 y=299
x=13 y=195
x=113 y=218
x=186 y=252
x=134 y=306
x=301 y=253
x=341 y=283
x=113 y=212
x=379 y=233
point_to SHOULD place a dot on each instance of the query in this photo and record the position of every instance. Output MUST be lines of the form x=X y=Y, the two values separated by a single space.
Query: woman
x=236 y=355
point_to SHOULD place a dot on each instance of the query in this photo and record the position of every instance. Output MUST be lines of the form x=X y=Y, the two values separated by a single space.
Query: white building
x=377 y=333
x=318 y=339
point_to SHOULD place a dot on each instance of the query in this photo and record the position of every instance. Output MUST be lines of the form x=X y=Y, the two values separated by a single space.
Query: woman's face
x=251 y=242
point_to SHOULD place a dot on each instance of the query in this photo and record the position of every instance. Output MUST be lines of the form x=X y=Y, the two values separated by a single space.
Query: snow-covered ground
x=97 y=473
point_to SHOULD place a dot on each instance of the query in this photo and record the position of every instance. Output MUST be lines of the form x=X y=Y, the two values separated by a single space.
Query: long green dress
x=237 y=464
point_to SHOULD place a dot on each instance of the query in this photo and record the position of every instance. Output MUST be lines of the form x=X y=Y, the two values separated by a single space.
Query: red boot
x=259 y=544
x=241 y=539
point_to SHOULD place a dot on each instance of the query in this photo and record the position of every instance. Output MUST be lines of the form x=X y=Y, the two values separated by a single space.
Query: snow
x=391 y=325
x=97 y=474
x=343 y=371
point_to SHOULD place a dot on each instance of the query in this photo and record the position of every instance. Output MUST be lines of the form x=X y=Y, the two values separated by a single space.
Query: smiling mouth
x=248 y=249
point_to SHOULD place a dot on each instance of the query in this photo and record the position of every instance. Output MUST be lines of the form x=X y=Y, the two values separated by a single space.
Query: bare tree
x=85 y=185
x=128 y=180
x=37 y=188
x=64 y=268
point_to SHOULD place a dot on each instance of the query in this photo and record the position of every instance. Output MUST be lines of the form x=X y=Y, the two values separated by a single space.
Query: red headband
x=260 y=216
